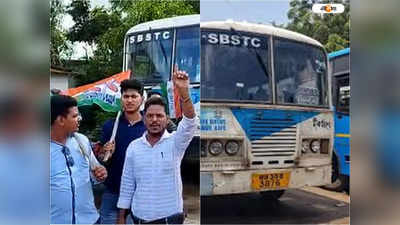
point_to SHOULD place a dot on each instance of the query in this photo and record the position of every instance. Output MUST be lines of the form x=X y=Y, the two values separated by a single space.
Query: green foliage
x=335 y=43
x=332 y=30
x=58 y=37
x=79 y=10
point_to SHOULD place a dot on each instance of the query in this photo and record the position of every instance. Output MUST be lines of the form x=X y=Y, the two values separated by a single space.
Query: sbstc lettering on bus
x=149 y=36
x=235 y=40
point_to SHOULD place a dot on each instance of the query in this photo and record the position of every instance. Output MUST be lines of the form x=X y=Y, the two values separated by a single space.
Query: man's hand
x=109 y=146
x=181 y=82
x=97 y=149
x=100 y=173
x=122 y=216
x=121 y=220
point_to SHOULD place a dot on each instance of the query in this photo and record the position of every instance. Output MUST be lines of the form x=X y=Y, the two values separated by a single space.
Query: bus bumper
x=236 y=182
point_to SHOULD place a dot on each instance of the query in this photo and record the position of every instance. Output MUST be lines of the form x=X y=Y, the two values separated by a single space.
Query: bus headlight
x=305 y=146
x=231 y=147
x=315 y=146
x=215 y=147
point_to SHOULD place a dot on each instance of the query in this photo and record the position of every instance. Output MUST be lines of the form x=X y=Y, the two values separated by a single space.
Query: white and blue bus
x=152 y=48
x=339 y=62
x=266 y=113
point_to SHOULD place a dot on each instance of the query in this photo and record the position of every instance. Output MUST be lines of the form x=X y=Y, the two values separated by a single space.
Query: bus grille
x=273 y=137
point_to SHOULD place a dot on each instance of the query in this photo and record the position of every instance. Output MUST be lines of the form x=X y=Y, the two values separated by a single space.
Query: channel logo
x=328 y=8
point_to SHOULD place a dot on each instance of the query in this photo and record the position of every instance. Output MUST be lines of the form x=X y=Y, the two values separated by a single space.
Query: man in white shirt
x=151 y=183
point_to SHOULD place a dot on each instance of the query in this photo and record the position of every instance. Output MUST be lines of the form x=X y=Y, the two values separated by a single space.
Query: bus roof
x=178 y=21
x=261 y=29
x=339 y=53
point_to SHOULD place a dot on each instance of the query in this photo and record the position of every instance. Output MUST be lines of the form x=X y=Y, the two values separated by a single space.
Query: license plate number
x=270 y=180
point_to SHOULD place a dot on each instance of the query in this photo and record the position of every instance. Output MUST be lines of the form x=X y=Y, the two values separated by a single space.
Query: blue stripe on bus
x=339 y=53
x=258 y=123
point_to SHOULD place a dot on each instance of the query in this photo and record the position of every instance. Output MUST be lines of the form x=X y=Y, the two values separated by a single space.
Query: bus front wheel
x=339 y=182
x=272 y=195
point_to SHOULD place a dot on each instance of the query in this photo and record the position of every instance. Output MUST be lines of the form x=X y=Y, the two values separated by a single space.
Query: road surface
x=303 y=206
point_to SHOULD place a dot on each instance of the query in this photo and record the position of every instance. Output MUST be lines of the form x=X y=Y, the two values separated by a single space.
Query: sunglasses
x=68 y=156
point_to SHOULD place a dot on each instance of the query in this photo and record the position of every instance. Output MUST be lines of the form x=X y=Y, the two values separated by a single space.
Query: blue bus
x=266 y=113
x=340 y=73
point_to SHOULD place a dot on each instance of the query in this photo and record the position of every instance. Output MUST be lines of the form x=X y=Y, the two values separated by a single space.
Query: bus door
x=342 y=123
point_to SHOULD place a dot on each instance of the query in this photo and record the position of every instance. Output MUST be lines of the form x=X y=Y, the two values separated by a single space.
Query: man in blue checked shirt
x=151 y=183
x=71 y=196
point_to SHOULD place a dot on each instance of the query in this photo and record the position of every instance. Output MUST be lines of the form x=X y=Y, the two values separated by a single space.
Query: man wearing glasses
x=71 y=158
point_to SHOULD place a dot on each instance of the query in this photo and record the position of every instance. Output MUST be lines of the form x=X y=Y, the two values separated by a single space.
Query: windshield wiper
x=163 y=51
x=259 y=58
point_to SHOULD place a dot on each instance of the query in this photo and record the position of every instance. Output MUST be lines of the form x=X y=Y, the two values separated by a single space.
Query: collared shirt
x=126 y=133
x=151 y=183
x=71 y=195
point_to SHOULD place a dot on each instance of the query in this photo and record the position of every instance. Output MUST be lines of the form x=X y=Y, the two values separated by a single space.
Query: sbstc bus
x=266 y=115
x=339 y=62
x=152 y=48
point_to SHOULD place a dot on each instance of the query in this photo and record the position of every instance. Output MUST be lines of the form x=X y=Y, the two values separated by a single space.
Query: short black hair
x=60 y=105
x=132 y=84
x=55 y=91
x=154 y=101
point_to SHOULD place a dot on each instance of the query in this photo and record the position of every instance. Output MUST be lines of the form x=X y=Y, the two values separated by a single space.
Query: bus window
x=343 y=93
x=188 y=51
x=300 y=72
x=150 y=56
x=234 y=67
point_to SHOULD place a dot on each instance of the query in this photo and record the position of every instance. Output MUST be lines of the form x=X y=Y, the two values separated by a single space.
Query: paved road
x=191 y=192
x=306 y=206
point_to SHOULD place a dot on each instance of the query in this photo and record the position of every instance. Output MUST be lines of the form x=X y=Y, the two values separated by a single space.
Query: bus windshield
x=300 y=74
x=188 y=51
x=234 y=66
x=150 y=54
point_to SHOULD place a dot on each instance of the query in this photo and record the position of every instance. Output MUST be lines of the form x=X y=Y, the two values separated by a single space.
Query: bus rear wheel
x=272 y=195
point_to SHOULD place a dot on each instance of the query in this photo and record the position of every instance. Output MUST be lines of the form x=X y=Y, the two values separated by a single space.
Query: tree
x=332 y=30
x=58 y=38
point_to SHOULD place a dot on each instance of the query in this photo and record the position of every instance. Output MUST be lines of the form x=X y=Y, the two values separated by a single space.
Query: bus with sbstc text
x=339 y=62
x=150 y=51
x=266 y=115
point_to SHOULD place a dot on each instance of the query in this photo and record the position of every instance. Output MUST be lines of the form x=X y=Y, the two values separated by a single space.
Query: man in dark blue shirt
x=130 y=127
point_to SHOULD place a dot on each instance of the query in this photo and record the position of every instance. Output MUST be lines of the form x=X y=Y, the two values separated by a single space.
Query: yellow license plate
x=270 y=180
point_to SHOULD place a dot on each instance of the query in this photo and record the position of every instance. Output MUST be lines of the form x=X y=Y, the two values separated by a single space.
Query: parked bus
x=150 y=51
x=339 y=63
x=266 y=113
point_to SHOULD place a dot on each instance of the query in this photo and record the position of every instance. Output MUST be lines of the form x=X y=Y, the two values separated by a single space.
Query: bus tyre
x=338 y=185
x=339 y=182
x=272 y=195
